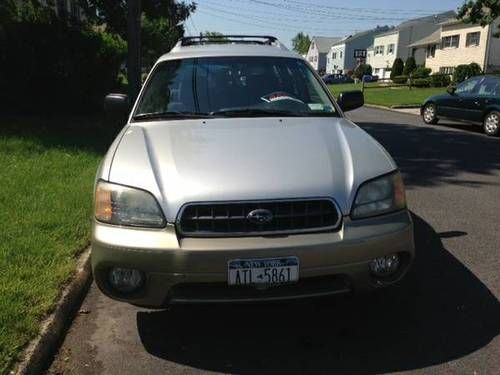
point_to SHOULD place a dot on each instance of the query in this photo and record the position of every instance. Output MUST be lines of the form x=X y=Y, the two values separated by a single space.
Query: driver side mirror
x=451 y=89
x=117 y=106
x=350 y=100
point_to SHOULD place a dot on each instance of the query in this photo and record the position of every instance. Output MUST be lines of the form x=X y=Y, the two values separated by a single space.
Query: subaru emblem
x=260 y=216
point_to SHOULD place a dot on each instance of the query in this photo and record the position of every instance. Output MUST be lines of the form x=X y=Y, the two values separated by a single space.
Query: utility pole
x=134 y=48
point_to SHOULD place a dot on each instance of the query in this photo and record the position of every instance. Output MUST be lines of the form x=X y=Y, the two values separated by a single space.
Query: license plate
x=272 y=271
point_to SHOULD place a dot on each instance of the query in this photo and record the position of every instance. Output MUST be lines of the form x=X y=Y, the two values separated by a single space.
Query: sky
x=285 y=18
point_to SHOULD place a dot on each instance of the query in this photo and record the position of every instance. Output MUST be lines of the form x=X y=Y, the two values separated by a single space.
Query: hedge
x=53 y=67
x=400 y=79
x=439 y=80
x=421 y=82
x=421 y=72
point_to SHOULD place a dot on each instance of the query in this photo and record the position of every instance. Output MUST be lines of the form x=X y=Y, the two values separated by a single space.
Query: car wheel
x=491 y=123
x=429 y=114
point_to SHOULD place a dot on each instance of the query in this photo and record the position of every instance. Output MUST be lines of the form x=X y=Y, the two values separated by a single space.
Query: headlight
x=121 y=205
x=379 y=196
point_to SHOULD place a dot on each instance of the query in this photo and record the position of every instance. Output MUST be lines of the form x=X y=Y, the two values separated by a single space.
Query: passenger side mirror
x=350 y=100
x=451 y=89
x=117 y=106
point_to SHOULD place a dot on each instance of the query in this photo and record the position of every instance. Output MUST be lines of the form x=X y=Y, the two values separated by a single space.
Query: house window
x=472 y=39
x=379 y=50
x=446 y=69
x=390 y=49
x=315 y=58
x=341 y=54
x=335 y=55
x=451 y=41
x=431 y=51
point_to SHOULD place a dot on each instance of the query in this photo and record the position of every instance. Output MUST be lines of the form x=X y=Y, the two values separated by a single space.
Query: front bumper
x=180 y=270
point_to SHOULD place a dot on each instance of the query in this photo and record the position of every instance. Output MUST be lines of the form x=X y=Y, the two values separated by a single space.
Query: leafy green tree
x=397 y=68
x=214 y=36
x=410 y=66
x=301 y=43
x=161 y=22
x=483 y=12
x=362 y=70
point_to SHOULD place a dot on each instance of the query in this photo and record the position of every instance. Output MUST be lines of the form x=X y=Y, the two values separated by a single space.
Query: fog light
x=385 y=266
x=125 y=280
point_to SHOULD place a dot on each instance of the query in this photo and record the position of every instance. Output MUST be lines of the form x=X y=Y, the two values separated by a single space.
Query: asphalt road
x=444 y=317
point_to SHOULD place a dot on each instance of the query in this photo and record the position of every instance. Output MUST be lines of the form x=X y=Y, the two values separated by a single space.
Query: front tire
x=491 y=123
x=429 y=114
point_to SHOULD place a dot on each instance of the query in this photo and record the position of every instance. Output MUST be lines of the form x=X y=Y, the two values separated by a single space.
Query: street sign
x=360 y=53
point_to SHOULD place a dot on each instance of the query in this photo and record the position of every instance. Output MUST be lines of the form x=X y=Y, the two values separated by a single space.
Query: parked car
x=370 y=78
x=332 y=79
x=476 y=100
x=238 y=178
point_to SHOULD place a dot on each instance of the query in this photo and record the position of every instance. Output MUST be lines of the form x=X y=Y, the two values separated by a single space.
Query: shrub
x=362 y=70
x=400 y=79
x=421 y=82
x=397 y=68
x=474 y=70
x=439 y=80
x=463 y=72
x=410 y=66
x=421 y=72
x=64 y=68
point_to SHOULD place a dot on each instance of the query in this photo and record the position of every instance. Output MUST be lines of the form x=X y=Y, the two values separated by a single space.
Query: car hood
x=247 y=159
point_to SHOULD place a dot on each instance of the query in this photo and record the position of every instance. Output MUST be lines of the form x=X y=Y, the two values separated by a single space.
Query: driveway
x=444 y=317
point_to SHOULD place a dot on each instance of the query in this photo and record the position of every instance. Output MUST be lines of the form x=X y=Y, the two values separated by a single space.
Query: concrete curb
x=37 y=354
x=404 y=110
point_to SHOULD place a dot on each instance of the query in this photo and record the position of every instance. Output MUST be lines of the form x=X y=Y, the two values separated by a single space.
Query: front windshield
x=243 y=86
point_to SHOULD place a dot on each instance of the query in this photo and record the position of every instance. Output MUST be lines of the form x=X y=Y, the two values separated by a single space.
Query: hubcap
x=429 y=113
x=491 y=123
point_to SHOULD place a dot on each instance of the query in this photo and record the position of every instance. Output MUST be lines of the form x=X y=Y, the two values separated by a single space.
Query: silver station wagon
x=238 y=178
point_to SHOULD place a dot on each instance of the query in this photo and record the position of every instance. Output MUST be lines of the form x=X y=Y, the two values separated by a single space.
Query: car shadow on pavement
x=433 y=155
x=440 y=312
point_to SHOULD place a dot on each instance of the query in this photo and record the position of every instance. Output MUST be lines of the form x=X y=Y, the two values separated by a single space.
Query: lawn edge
x=36 y=356
x=396 y=109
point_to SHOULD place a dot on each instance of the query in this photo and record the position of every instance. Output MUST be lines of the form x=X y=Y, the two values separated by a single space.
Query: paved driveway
x=445 y=317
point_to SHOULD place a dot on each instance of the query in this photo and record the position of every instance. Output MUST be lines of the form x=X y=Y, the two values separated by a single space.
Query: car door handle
x=477 y=103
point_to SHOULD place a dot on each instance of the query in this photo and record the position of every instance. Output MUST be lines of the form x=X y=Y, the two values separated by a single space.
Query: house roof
x=353 y=37
x=324 y=43
x=433 y=38
x=435 y=19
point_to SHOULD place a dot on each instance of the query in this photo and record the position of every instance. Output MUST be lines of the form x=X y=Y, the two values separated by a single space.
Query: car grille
x=230 y=218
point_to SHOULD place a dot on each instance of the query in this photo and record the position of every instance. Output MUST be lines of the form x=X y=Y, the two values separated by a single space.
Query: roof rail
x=229 y=39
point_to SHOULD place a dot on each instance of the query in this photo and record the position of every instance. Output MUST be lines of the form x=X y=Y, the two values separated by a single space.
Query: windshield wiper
x=254 y=112
x=170 y=115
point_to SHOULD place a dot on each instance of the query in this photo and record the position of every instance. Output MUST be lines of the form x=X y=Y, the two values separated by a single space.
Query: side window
x=488 y=87
x=467 y=87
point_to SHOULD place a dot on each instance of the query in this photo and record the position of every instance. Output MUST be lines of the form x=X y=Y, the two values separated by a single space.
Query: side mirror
x=117 y=105
x=451 y=89
x=350 y=100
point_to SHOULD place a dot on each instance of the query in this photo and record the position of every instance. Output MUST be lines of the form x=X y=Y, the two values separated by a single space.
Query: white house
x=457 y=43
x=395 y=43
x=318 y=49
x=348 y=52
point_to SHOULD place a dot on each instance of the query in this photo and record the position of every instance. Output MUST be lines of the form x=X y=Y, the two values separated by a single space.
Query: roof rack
x=229 y=39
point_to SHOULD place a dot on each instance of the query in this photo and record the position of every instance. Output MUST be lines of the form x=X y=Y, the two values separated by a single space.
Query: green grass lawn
x=390 y=96
x=46 y=181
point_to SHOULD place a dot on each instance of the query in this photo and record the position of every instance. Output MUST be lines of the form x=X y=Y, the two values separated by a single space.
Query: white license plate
x=270 y=271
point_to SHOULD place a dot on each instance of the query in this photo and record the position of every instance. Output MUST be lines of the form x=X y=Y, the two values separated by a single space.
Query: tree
x=161 y=22
x=410 y=66
x=362 y=70
x=214 y=36
x=397 y=68
x=301 y=43
x=483 y=12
